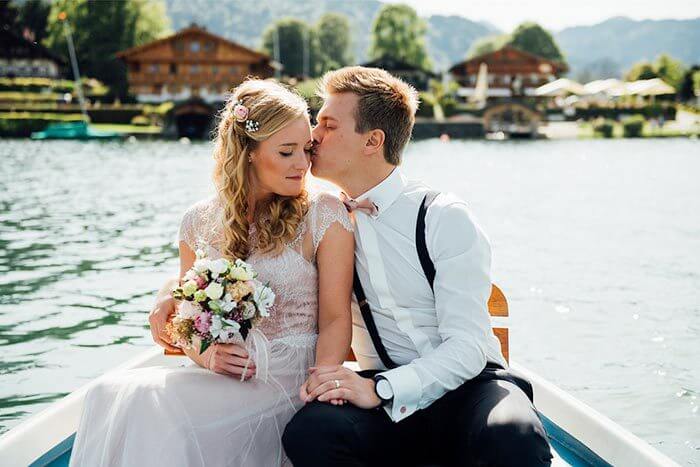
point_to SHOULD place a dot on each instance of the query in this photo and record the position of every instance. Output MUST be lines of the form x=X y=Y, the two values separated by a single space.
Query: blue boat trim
x=571 y=450
x=58 y=456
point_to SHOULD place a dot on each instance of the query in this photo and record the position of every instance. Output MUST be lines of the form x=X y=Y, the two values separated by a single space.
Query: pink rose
x=202 y=322
x=240 y=112
x=201 y=282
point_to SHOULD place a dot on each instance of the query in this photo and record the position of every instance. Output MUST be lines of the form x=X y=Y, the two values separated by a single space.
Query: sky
x=555 y=15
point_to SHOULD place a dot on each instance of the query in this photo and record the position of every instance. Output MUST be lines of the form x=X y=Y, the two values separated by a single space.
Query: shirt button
x=403 y=409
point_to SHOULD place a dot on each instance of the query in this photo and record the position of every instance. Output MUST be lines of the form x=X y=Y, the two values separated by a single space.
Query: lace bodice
x=292 y=274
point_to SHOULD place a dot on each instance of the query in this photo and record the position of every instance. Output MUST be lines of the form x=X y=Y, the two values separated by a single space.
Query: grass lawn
x=125 y=128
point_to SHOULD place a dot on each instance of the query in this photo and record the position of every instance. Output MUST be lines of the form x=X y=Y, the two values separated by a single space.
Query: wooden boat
x=579 y=435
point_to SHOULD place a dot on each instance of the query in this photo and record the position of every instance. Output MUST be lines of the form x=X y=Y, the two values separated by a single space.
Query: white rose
x=240 y=274
x=188 y=310
x=201 y=265
x=214 y=290
x=218 y=267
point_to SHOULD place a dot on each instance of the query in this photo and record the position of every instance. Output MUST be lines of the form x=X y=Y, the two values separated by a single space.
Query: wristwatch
x=382 y=388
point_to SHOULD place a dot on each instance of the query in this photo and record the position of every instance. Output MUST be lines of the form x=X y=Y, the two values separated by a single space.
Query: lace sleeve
x=326 y=210
x=186 y=233
x=200 y=225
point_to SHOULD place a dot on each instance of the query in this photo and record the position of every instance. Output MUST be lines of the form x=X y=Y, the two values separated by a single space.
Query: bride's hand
x=229 y=359
x=304 y=394
x=158 y=318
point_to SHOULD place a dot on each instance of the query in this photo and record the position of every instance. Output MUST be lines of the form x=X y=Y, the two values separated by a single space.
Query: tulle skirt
x=190 y=416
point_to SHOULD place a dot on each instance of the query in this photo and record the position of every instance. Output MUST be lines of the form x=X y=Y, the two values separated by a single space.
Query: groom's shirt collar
x=387 y=191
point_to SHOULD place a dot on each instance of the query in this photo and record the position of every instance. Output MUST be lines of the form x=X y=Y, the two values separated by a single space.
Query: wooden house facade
x=510 y=72
x=21 y=57
x=192 y=63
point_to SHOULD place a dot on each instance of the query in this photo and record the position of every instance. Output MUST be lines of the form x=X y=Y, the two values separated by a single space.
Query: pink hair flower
x=240 y=112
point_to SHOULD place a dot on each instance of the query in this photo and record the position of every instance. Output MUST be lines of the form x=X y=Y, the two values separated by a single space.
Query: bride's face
x=280 y=163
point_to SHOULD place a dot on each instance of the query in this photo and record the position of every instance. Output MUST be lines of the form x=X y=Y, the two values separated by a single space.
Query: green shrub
x=604 y=128
x=23 y=124
x=633 y=126
x=140 y=120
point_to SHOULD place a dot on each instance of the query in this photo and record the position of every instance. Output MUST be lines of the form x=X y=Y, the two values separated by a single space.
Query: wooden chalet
x=413 y=75
x=192 y=63
x=511 y=72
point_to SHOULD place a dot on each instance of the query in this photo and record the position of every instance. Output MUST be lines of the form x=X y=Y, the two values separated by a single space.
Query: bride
x=222 y=409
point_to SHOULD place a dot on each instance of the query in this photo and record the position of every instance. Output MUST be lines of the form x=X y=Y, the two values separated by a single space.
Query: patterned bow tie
x=366 y=205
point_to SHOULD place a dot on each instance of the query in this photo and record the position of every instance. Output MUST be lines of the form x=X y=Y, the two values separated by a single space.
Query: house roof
x=124 y=54
x=561 y=67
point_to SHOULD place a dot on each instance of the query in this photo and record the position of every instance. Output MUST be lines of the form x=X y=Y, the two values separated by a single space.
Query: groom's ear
x=374 y=142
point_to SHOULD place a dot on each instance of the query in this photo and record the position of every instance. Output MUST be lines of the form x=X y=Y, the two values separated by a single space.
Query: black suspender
x=428 y=270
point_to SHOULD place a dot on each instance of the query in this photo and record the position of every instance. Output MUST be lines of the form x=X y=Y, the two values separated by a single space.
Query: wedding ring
x=337 y=383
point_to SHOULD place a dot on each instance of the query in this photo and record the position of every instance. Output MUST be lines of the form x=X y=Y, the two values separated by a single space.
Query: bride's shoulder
x=326 y=208
x=203 y=207
x=326 y=199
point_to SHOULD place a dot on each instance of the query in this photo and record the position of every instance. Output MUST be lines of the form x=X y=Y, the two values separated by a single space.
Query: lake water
x=596 y=245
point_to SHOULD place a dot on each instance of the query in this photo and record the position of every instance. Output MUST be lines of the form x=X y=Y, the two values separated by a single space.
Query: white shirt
x=439 y=340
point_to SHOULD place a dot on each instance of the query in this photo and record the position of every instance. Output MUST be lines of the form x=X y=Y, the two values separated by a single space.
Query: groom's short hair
x=385 y=102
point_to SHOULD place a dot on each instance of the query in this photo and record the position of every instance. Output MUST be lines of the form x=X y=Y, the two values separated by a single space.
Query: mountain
x=613 y=46
x=448 y=38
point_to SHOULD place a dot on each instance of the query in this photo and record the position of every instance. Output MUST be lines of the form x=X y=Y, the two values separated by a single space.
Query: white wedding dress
x=190 y=416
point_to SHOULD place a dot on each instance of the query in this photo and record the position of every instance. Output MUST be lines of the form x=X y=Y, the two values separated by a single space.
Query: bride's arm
x=335 y=261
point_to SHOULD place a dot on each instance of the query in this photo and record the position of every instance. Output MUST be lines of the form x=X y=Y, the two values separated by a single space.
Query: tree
x=293 y=36
x=531 y=37
x=665 y=67
x=398 y=32
x=487 y=45
x=690 y=89
x=333 y=32
x=8 y=14
x=100 y=29
x=670 y=70
x=33 y=16
x=641 y=70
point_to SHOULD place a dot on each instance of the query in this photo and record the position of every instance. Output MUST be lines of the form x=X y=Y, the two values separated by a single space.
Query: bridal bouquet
x=221 y=302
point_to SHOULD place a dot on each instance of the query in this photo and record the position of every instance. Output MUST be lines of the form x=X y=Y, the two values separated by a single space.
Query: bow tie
x=366 y=205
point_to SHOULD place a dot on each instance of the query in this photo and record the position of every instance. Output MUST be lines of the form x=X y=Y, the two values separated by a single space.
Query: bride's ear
x=375 y=141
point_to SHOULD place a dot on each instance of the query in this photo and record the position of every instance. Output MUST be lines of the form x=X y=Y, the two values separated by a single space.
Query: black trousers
x=488 y=421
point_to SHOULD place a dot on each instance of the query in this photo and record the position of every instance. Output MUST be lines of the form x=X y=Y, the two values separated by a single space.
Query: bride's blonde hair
x=273 y=107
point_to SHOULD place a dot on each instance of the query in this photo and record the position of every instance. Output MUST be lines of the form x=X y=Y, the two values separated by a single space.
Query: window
x=235 y=69
x=135 y=67
x=208 y=46
x=179 y=46
x=173 y=69
x=194 y=46
x=214 y=69
x=153 y=68
x=194 y=69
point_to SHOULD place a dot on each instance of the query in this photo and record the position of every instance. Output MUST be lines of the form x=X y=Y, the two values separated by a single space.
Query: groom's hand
x=353 y=388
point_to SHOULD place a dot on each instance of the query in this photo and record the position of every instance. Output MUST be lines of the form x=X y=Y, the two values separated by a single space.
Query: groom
x=435 y=386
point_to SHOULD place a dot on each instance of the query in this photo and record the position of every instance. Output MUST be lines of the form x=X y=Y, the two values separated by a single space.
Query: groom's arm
x=462 y=258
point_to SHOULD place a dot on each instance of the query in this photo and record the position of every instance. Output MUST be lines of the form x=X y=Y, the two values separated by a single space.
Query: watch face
x=384 y=389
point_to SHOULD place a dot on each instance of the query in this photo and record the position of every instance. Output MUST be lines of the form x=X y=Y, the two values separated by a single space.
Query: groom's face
x=336 y=143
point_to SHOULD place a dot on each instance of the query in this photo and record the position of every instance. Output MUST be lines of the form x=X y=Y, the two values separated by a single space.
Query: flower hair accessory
x=240 y=113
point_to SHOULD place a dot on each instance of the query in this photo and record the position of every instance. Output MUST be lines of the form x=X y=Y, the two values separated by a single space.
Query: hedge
x=23 y=124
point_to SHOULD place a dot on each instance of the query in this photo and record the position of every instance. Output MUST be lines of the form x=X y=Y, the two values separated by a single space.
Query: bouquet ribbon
x=259 y=349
